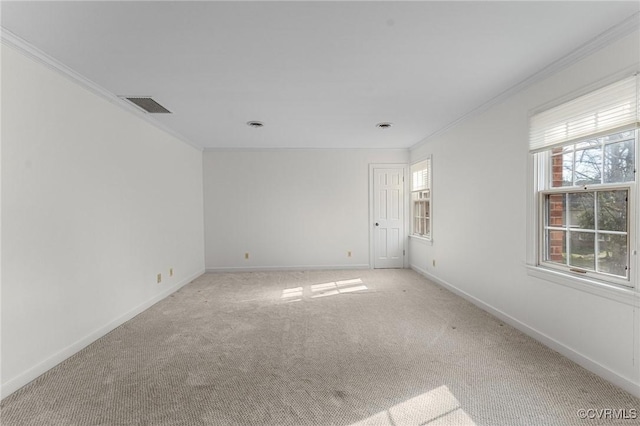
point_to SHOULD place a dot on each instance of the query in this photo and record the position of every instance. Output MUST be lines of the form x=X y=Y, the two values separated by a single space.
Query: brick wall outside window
x=556 y=209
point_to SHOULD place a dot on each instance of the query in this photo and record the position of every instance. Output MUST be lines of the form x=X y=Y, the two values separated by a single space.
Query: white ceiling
x=318 y=74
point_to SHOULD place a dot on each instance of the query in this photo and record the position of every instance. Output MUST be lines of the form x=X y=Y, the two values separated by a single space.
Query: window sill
x=422 y=240
x=628 y=296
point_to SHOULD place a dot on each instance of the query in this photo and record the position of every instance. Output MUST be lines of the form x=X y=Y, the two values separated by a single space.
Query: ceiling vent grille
x=148 y=105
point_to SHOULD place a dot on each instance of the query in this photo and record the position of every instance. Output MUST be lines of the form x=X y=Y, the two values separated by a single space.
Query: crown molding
x=609 y=36
x=10 y=39
x=268 y=149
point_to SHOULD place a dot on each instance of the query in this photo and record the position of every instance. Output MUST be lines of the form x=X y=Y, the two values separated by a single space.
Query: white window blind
x=613 y=107
x=421 y=175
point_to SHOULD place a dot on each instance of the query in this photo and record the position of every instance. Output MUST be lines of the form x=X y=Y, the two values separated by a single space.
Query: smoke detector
x=384 y=125
x=255 y=124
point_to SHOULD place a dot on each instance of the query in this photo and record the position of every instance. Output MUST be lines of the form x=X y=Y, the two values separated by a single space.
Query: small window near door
x=421 y=199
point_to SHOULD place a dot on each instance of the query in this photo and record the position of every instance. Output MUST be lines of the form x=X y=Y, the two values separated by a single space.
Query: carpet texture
x=382 y=347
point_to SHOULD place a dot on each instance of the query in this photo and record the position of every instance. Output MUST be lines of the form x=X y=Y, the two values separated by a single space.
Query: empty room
x=320 y=213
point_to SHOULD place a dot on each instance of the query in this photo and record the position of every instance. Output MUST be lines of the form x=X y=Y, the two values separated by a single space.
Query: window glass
x=585 y=227
x=612 y=210
x=588 y=166
x=585 y=152
x=613 y=254
x=421 y=198
x=609 y=159
x=619 y=161
x=582 y=250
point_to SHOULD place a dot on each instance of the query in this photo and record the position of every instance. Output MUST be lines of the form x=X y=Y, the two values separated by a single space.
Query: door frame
x=406 y=219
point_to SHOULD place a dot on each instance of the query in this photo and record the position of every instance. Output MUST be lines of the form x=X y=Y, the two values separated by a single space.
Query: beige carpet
x=382 y=347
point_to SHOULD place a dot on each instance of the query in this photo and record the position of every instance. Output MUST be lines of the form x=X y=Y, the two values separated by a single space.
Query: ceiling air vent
x=148 y=104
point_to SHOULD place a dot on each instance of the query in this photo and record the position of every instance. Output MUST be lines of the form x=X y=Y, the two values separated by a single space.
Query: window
x=421 y=198
x=585 y=152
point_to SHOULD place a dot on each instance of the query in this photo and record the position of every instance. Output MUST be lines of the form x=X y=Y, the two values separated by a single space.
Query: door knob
x=377 y=224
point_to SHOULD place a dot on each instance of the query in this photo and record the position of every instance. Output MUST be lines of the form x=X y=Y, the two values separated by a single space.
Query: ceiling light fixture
x=384 y=125
x=255 y=124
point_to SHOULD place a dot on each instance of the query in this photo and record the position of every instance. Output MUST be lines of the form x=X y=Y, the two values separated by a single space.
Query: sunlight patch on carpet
x=333 y=288
x=436 y=407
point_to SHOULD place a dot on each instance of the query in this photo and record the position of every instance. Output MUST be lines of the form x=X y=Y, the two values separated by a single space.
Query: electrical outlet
x=170 y=272
x=246 y=255
x=159 y=279
x=348 y=254
x=434 y=263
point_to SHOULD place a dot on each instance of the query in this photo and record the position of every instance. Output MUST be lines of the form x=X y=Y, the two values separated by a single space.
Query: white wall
x=289 y=208
x=480 y=228
x=95 y=203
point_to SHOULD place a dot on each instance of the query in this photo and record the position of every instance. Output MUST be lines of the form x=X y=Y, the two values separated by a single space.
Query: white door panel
x=388 y=217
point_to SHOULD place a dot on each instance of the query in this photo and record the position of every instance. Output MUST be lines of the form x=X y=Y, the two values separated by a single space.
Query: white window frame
x=600 y=283
x=422 y=195
x=545 y=189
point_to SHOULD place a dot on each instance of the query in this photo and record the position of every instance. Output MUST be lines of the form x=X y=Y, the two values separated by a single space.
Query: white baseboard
x=34 y=372
x=288 y=268
x=580 y=359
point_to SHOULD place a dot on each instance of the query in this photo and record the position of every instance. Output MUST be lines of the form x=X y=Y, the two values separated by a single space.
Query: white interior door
x=388 y=217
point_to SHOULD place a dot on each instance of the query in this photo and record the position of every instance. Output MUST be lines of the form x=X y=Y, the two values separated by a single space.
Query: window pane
x=556 y=214
x=588 y=144
x=562 y=169
x=567 y=169
x=420 y=215
x=581 y=207
x=619 y=162
x=588 y=169
x=612 y=210
x=613 y=255
x=618 y=137
x=582 y=249
x=557 y=246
